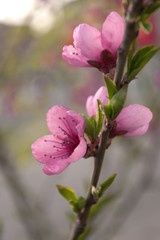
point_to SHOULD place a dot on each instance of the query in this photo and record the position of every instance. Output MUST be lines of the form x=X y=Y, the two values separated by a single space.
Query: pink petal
x=73 y=57
x=133 y=117
x=112 y=32
x=56 y=120
x=140 y=131
x=79 y=151
x=43 y=148
x=89 y=106
x=56 y=168
x=87 y=40
x=74 y=119
x=101 y=95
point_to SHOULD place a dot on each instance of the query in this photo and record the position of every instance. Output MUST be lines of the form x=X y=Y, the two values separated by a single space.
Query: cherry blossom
x=94 y=48
x=66 y=143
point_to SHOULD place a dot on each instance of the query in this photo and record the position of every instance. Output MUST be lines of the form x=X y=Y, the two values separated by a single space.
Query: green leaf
x=103 y=202
x=90 y=127
x=111 y=87
x=86 y=232
x=100 y=118
x=140 y=59
x=67 y=193
x=136 y=60
x=106 y=184
x=108 y=111
x=79 y=204
x=93 y=124
x=118 y=101
x=147 y=26
x=149 y=10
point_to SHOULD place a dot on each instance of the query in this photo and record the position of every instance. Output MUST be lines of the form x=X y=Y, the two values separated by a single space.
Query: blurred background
x=33 y=78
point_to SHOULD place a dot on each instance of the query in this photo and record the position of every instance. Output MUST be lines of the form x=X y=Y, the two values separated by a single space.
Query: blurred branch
x=36 y=227
x=129 y=203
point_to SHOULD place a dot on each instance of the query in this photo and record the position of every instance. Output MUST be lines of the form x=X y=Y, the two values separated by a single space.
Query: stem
x=132 y=17
x=81 y=222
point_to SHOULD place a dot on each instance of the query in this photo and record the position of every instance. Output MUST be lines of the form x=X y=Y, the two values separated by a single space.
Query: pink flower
x=65 y=145
x=94 y=48
x=91 y=104
x=132 y=121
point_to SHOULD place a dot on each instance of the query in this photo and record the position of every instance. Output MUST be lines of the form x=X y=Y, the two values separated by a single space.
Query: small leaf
x=106 y=184
x=147 y=26
x=103 y=202
x=93 y=124
x=90 y=126
x=149 y=10
x=108 y=111
x=67 y=193
x=136 y=60
x=118 y=101
x=140 y=59
x=111 y=87
x=80 y=203
x=100 y=118
x=86 y=232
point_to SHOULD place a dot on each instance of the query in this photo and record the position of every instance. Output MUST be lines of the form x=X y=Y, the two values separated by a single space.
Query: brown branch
x=35 y=227
x=132 y=17
x=81 y=222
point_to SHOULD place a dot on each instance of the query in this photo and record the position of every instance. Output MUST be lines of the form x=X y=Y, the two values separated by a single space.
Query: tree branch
x=132 y=17
x=81 y=222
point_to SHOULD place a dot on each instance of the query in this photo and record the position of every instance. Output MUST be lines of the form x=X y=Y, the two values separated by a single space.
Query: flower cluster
x=67 y=143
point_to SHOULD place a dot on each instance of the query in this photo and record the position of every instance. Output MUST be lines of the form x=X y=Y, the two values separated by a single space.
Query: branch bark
x=132 y=17
x=81 y=222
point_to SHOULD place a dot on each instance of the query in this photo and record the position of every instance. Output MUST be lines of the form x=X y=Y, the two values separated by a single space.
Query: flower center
x=64 y=146
x=107 y=62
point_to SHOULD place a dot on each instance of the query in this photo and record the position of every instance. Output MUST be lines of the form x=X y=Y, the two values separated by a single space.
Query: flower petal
x=112 y=32
x=56 y=121
x=89 y=106
x=138 y=132
x=101 y=95
x=79 y=151
x=73 y=57
x=49 y=150
x=56 y=168
x=87 y=40
x=74 y=119
x=133 y=117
